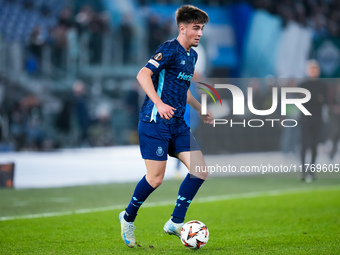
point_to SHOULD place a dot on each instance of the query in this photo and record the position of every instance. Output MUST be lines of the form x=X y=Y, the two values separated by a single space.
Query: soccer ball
x=194 y=234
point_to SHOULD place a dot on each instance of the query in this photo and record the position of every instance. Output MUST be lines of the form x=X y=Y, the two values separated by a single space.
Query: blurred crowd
x=26 y=125
x=66 y=36
x=87 y=37
x=87 y=29
x=322 y=16
x=77 y=122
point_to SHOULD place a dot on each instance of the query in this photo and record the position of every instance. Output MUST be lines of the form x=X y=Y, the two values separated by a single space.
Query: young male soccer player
x=162 y=129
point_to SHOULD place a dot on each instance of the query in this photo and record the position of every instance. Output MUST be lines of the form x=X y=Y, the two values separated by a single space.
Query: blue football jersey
x=173 y=68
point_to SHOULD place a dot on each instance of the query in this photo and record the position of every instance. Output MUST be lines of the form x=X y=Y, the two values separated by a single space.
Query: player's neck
x=184 y=43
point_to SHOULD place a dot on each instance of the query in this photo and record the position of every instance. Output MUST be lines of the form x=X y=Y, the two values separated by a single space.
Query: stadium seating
x=19 y=17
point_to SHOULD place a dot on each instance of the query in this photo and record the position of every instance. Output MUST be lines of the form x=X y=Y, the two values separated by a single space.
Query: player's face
x=193 y=33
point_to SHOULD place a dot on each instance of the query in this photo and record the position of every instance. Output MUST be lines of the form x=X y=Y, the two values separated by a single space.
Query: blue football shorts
x=158 y=140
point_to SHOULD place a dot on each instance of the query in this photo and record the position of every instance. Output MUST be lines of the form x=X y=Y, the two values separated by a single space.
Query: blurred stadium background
x=68 y=67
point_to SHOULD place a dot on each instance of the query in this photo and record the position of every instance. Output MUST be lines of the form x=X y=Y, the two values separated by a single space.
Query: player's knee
x=201 y=174
x=156 y=182
x=204 y=175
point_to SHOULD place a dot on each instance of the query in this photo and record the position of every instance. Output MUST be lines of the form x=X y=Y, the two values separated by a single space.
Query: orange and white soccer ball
x=194 y=234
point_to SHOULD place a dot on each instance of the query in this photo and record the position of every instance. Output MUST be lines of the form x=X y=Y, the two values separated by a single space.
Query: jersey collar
x=183 y=49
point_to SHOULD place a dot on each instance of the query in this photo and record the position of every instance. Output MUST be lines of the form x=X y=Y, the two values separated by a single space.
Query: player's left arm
x=191 y=100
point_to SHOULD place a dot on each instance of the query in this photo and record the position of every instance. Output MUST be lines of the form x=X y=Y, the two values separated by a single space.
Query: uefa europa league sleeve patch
x=158 y=56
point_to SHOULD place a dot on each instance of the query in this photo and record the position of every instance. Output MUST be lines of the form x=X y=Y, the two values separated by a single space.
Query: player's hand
x=165 y=111
x=208 y=118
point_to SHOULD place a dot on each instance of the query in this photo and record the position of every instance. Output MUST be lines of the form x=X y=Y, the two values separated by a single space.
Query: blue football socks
x=142 y=191
x=186 y=193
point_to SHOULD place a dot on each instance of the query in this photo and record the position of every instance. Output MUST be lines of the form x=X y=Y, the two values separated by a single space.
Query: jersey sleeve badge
x=154 y=63
x=158 y=56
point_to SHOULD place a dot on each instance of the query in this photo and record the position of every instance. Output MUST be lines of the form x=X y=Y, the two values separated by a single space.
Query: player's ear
x=182 y=28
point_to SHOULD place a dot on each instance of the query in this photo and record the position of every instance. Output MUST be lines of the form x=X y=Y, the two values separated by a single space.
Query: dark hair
x=189 y=13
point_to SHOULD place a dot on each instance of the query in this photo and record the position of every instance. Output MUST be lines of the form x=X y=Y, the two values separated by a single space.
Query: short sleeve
x=161 y=59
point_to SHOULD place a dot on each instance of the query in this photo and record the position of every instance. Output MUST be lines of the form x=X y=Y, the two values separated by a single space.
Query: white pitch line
x=166 y=203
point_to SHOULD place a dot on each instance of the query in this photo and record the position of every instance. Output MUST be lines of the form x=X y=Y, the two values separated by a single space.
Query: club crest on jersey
x=183 y=62
x=158 y=56
x=159 y=151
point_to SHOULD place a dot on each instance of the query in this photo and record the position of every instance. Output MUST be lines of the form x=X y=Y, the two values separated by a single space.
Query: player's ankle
x=177 y=220
x=129 y=217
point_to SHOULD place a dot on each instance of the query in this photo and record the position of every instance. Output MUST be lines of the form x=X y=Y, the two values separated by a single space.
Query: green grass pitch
x=243 y=215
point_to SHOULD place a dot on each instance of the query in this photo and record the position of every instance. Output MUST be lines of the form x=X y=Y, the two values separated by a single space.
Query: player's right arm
x=144 y=79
